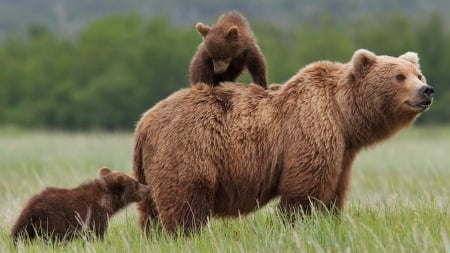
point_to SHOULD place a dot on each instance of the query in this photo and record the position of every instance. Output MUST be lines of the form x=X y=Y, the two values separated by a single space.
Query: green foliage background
x=119 y=66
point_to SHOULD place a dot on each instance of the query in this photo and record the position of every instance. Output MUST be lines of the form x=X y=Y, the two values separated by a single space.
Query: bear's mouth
x=425 y=104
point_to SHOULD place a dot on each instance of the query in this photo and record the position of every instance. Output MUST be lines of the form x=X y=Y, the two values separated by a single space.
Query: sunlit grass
x=398 y=202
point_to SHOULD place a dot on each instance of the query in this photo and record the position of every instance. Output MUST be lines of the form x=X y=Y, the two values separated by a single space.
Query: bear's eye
x=400 y=77
x=420 y=77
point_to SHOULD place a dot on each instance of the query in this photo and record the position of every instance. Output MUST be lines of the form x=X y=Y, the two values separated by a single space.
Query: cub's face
x=132 y=190
x=222 y=44
x=125 y=188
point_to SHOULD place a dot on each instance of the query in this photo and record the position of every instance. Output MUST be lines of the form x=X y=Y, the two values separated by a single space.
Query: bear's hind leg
x=188 y=210
x=147 y=214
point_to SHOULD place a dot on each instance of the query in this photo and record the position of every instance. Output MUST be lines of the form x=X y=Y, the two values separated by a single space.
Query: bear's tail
x=138 y=169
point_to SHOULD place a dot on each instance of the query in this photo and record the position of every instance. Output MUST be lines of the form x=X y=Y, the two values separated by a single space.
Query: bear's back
x=203 y=105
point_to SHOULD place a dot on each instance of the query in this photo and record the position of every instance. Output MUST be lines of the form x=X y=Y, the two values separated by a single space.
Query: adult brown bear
x=230 y=149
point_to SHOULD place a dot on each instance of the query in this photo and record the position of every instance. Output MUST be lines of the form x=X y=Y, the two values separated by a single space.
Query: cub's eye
x=420 y=77
x=400 y=77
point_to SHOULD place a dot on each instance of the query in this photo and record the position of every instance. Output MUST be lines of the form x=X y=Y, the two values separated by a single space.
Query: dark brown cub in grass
x=228 y=47
x=58 y=213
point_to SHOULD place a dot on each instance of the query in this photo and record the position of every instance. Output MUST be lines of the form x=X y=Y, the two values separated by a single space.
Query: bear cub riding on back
x=227 y=48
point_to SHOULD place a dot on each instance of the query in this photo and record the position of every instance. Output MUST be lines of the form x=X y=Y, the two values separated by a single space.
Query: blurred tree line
x=120 y=66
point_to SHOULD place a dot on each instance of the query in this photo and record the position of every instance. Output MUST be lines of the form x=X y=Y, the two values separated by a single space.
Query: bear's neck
x=364 y=124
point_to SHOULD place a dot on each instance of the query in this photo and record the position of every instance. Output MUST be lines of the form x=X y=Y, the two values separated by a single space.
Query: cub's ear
x=104 y=171
x=362 y=60
x=411 y=57
x=232 y=33
x=202 y=29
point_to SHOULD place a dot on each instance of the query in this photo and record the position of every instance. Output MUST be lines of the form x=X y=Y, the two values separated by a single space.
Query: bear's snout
x=144 y=191
x=220 y=66
x=423 y=99
x=427 y=92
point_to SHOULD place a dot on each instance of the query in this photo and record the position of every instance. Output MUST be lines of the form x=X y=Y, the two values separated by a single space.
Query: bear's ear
x=104 y=171
x=202 y=29
x=362 y=60
x=411 y=57
x=232 y=33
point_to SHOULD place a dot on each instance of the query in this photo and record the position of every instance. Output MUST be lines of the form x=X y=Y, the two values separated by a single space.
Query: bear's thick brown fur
x=227 y=48
x=229 y=150
x=58 y=213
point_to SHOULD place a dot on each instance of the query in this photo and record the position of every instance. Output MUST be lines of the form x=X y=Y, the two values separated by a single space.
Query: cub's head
x=121 y=188
x=223 y=43
x=390 y=87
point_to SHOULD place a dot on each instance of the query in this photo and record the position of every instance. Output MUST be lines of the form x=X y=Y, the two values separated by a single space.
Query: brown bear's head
x=395 y=86
x=122 y=188
x=223 y=43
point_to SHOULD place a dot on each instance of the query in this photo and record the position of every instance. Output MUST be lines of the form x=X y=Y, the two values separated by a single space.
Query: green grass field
x=398 y=202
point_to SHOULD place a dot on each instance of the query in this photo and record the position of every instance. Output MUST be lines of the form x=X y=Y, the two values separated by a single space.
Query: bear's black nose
x=427 y=92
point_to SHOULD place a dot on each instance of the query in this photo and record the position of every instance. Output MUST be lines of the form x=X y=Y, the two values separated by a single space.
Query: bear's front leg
x=290 y=208
x=202 y=69
x=344 y=180
x=306 y=196
x=256 y=66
